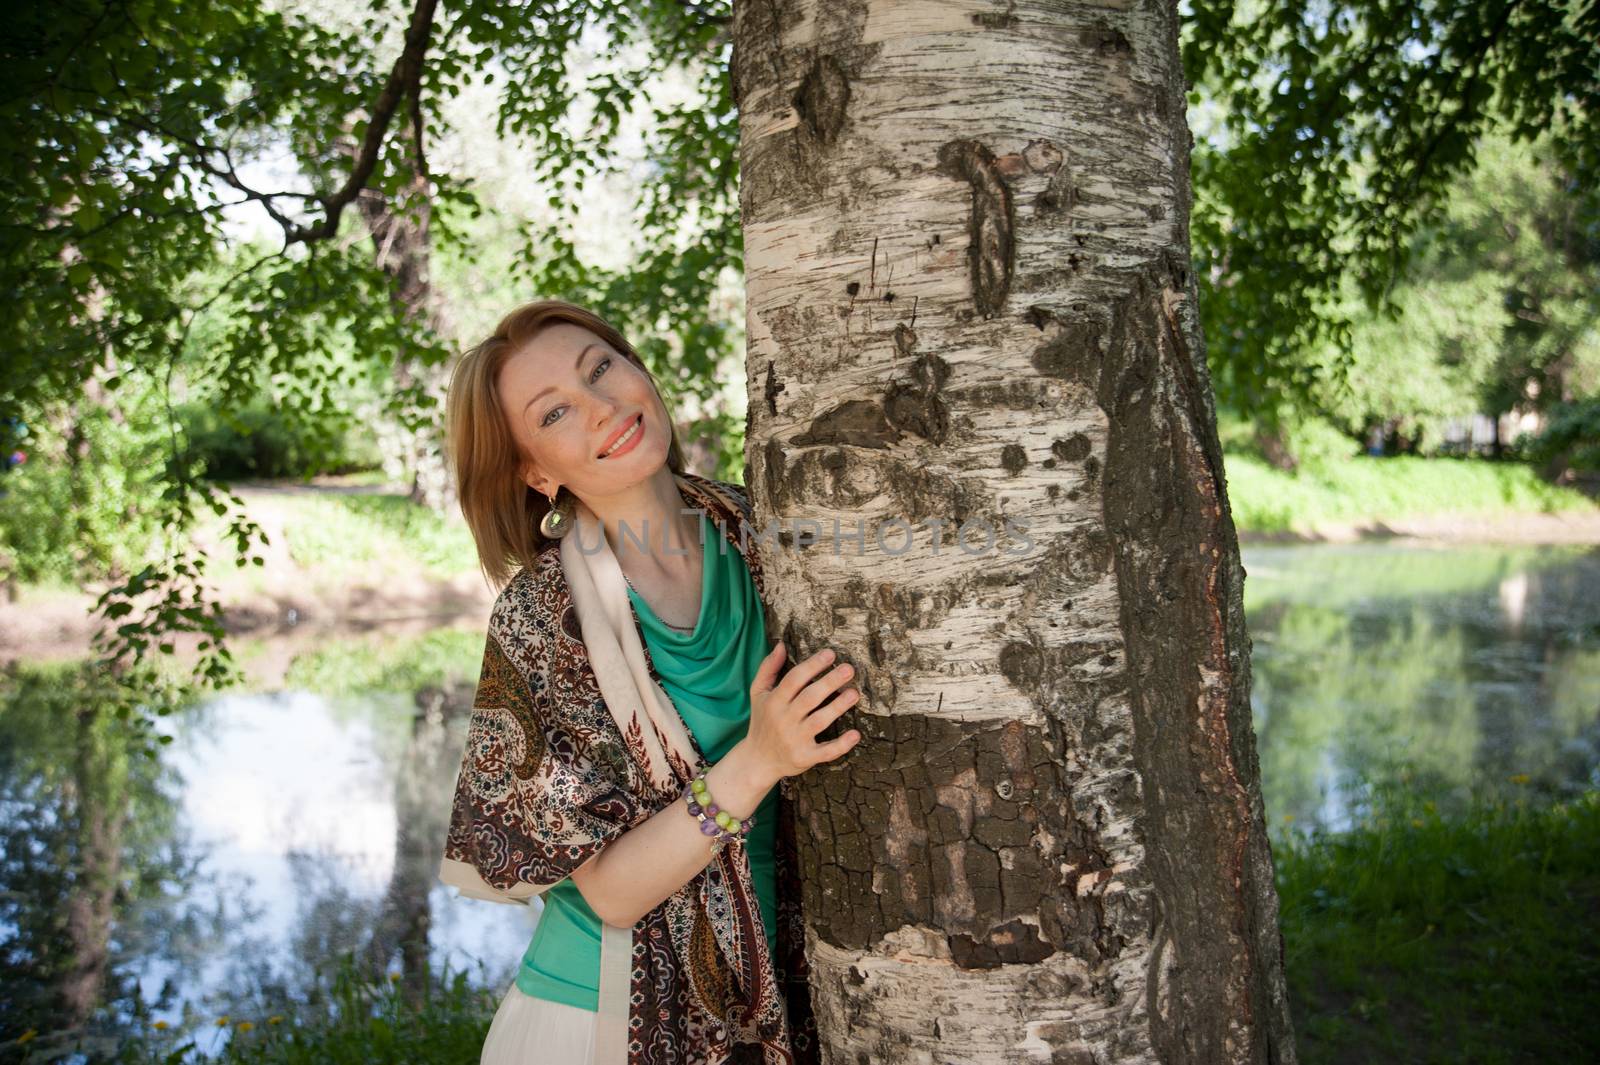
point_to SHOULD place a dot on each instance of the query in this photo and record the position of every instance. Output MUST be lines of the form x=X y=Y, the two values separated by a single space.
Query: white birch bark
x=969 y=299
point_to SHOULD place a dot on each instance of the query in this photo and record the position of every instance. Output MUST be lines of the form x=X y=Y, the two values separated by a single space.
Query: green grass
x=380 y=662
x=1421 y=939
x=348 y=1019
x=335 y=529
x=1363 y=489
x=327 y=532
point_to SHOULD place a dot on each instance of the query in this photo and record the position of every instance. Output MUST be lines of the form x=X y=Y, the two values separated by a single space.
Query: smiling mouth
x=628 y=434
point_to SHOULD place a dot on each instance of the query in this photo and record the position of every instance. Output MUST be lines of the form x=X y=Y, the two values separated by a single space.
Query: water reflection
x=90 y=838
x=279 y=830
x=324 y=813
x=1460 y=667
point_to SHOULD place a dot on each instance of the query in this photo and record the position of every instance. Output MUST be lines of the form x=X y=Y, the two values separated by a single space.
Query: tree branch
x=404 y=79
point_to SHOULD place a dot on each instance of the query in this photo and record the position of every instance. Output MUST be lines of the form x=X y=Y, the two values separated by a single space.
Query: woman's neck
x=646 y=524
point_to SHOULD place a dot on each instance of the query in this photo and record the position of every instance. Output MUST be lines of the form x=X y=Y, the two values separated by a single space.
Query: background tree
x=1497 y=310
x=84 y=819
x=1337 y=129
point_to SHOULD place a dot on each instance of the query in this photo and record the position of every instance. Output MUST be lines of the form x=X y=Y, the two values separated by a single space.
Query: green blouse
x=707 y=675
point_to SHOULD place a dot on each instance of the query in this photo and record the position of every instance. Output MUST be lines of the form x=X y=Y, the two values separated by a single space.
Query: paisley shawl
x=551 y=773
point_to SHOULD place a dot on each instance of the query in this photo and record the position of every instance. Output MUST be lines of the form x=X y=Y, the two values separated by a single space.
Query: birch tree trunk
x=970 y=300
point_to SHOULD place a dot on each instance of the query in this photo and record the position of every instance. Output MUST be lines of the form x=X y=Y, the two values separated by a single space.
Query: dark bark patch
x=1014 y=459
x=915 y=411
x=1055 y=279
x=1011 y=943
x=822 y=99
x=814 y=473
x=858 y=423
x=783 y=484
x=905 y=342
x=1181 y=593
x=1061 y=195
x=923 y=494
x=991 y=248
x=995 y=20
x=930 y=372
x=1073 y=449
x=916 y=831
x=1108 y=41
x=1073 y=354
x=1020 y=663
x=771 y=389
x=917 y=407
x=1014 y=394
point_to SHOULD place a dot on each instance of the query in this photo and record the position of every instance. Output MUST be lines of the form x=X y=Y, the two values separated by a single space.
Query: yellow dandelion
x=1417 y=821
x=222 y=1021
x=394 y=978
x=160 y=1026
x=28 y=1036
x=245 y=1026
x=1520 y=778
x=1288 y=817
x=275 y=1019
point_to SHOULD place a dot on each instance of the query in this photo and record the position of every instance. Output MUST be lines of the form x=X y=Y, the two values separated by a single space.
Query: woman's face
x=568 y=396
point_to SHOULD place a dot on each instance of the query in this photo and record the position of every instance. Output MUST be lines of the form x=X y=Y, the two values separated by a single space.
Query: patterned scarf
x=571 y=743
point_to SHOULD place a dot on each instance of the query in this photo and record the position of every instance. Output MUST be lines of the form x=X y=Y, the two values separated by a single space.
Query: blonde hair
x=502 y=511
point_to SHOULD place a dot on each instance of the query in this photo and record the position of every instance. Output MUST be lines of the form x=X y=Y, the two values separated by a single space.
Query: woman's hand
x=786 y=716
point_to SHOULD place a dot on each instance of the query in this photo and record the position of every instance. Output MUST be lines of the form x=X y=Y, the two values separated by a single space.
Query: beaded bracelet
x=714 y=821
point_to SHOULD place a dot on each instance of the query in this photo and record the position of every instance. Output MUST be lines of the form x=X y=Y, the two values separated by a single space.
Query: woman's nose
x=605 y=411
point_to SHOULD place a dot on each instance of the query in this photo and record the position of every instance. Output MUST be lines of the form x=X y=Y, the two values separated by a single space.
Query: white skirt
x=536 y=1031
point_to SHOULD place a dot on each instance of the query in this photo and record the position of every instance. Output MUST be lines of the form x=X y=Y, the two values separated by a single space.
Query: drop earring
x=556 y=520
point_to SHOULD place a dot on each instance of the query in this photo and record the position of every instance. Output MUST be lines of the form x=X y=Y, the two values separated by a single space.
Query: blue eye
x=598 y=369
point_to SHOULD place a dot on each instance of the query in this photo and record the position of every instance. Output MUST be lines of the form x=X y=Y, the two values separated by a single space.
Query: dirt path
x=278 y=599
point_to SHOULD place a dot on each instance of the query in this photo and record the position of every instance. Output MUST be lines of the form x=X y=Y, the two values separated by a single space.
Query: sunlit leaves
x=1342 y=126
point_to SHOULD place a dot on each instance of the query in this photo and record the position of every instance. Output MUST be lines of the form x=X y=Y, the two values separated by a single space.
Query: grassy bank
x=327 y=529
x=333 y=530
x=1375 y=490
x=330 y=530
x=1422 y=939
x=357 y=532
x=347 y=1020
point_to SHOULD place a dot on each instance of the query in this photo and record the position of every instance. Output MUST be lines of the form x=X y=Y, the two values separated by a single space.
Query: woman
x=629 y=726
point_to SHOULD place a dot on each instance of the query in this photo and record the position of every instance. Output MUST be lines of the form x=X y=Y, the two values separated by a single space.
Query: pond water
x=1455 y=670
x=319 y=819
x=287 y=823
